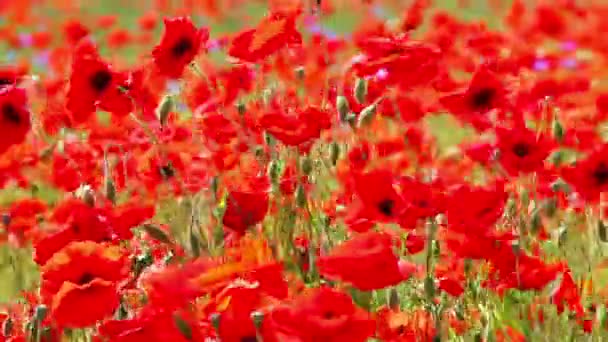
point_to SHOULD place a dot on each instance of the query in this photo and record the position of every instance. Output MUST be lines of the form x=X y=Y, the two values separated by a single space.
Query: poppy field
x=303 y=170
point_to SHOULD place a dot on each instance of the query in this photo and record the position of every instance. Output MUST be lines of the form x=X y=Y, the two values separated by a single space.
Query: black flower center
x=101 y=80
x=182 y=46
x=521 y=149
x=249 y=339
x=601 y=174
x=386 y=207
x=10 y=114
x=85 y=278
x=5 y=81
x=482 y=98
x=167 y=171
x=328 y=315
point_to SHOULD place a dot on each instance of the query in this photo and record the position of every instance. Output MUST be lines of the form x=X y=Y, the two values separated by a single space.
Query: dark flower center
x=400 y=330
x=85 y=278
x=386 y=207
x=482 y=98
x=521 y=149
x=182 y=46
x=10 y=114
x=167 y=171
x=249 y=339
x=601 y=174
x=328 y=315
x=101 y=80
x=5 y=81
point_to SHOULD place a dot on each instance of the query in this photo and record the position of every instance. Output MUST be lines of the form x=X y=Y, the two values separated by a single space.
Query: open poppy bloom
x=272 y=34
x=14 y=117
x=322 y=314
x=297 y=129
x=589 y=176
x=93 y=85
x=80 y=283
x=485 y=93
x=522 y=150
x=179 y=45
x=244 y=210
x=366 y=261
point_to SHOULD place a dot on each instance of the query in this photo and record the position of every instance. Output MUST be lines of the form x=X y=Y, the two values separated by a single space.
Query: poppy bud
x=267 y=96
x=214 y=185
x=550 y=207
x=560 y=185
x=602 y=231
x=300 y=196
x=393 y=300
x=562 y=235
x=269 y=139
x=300 y=73
x=214 y=318
x=257 y=317
x=274 y=171
x=306 y=165
x=535 y=221
x=360 y=90
x=40 y=313
x=110 y=190
x=7 y=327
x=343 y=107
x=556 y=158
x=6 y=219
x=334 y=152
x=429 y=287
x=165 y=107
x=87 y=195
x=240 y=107
x=367 y=115
x=195 y=244
x=183 y=327
x=557 y=130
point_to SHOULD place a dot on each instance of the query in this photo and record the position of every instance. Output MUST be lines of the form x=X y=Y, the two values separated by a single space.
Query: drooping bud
x=557 y=130
x=306 y=165
x=299 y=71
x=367 y=115
x=300 y=196
x=343 y=107
x=360 y=90
x=163 y=110
x=602 y=231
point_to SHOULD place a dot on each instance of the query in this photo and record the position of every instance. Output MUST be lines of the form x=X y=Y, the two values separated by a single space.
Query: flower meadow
x=303 y=171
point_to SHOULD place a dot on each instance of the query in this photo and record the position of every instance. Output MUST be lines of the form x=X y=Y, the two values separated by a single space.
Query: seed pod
x=40 y=313
x=360 y=90
x=274 y=171
x=299 y=71
x=165 y=107
x=367 y=115
x=240 y=108
x=343 y=107
x=429 y=287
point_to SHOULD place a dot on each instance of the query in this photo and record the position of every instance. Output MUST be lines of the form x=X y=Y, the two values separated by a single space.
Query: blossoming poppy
x=179 y=45
x=484 y=93
x=244 y=209
x=14 y=117
x=366 y=261
x=589 y=176
x=272 y=34
x=522 y=150
x=79 y=283
x=93 y=84
x=298 y=129
x=322 y=314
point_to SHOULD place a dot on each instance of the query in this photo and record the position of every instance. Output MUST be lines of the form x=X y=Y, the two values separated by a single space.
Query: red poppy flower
x=322 y=314
x=179 y=45
x=379 y=199
x=568 y=294
x=365 y=261
x=14 y=117
x=398 y=60
x=485 y=92
x=79 y=283
x=74 y=31
x=298 y=129
x=244 y=209
x=93 y=84
x=522 y=150
x=475 y=210
x=589 y=176
x=150 y=326
x=272 y=34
